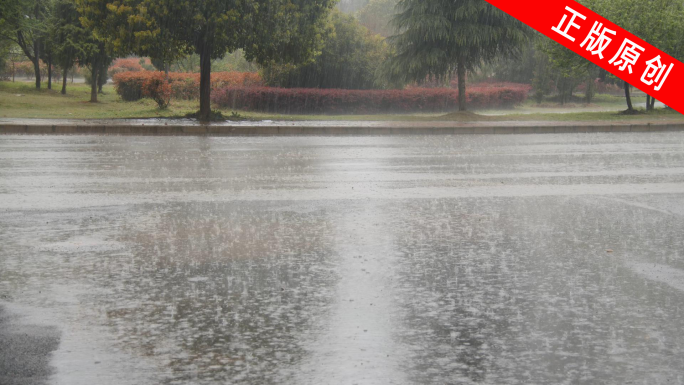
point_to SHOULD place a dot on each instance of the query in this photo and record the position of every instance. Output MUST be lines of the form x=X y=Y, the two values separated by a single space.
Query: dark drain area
x=25 y=351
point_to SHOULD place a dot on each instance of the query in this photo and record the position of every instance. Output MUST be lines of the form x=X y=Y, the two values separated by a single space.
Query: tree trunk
x=32 y=56
x=603 y=74
x=648 y=102
x=49 y=64
x=653 y=100
x=36 y=69
x=461 y=74
x=36 y=63
x=205 y=83
x=101 y=72
x=93 y=85
x=64 y=80
x=629 y=98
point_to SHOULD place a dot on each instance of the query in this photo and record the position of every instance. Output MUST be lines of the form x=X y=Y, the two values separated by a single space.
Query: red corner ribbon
x=605 y=44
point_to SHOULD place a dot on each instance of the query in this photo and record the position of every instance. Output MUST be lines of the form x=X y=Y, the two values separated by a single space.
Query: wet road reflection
x=467 y=259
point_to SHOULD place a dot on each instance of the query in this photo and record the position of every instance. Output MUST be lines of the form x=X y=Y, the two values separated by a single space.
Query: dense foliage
x=306 y=101
x=658 y=22
x=350 y=58
x=50 y=32
x=68 y=41
x=267 y=30
x=24 y=22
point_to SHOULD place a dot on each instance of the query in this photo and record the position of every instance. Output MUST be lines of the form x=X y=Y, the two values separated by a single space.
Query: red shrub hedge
x=306 y=100
x=129 y=85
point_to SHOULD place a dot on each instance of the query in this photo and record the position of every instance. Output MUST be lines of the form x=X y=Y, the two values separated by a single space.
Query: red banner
x=603 y=43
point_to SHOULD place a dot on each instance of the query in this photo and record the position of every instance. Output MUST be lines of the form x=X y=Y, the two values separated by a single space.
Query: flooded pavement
x=535 y=259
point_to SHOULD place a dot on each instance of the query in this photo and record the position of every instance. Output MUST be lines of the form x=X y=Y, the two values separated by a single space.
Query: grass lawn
x=22 y=100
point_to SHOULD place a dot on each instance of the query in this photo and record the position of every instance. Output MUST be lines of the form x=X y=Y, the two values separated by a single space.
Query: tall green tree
x=281 y=30
x=67 y=37
x=659 y=22
x=5 y=49
x=439 y=37
x=23 y=22
x=97 y=60
x=47 y=53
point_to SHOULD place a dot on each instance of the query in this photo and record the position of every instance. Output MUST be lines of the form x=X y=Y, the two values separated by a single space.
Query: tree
x=349 y=59
x=281 y=30
x=439 y=37
x=569 y=70
x=5 y=47
x=520 y=69
x=23 y=22
x=658 y=22
x=101 y=74
x=47 y=53
x=67 y=37
x=12 y=56
x=68 y=42
x=96 y=57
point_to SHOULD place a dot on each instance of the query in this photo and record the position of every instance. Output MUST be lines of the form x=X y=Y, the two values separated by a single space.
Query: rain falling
x=323 y=192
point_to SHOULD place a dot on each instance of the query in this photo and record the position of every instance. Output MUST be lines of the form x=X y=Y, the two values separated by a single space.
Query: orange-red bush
x=125 y=65
x=129 y=85
x=305 y=100
x=158 y=89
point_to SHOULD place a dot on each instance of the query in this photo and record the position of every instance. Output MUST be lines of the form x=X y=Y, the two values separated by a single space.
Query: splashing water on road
x=455 y=259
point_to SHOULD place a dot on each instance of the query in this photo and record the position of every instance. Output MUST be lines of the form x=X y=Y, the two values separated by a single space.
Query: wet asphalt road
x=531 y=259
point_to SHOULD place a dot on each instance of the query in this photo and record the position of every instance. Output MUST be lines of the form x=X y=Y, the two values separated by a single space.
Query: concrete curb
x=423 y=128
